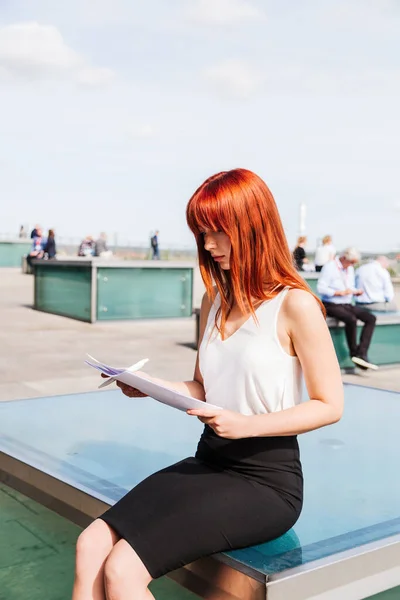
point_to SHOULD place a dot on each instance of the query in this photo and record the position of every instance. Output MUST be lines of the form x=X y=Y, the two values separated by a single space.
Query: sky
x=112 y=113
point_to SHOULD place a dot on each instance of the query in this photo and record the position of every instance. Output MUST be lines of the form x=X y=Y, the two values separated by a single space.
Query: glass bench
x=79 y=453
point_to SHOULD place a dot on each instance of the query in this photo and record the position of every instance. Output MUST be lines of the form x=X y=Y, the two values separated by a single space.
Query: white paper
x=154 y=390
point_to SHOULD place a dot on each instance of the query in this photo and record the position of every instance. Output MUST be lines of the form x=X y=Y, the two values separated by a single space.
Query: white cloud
x=34 y=48
x=222 y=11
x=234 y=78
x=39 y=51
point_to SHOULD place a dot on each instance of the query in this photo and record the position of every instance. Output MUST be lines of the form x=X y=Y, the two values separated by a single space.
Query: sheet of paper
x=152 y=389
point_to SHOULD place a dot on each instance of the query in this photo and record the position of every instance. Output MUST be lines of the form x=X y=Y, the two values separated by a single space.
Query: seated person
x=374 y=280
x=336 y=286
x=37 y=248
x=87 y=246
x=101 y=248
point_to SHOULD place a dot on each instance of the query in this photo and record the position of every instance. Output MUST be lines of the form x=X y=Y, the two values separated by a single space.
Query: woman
x=299 y=254
x=260 y=327
x=50 y=246
x=324 y=253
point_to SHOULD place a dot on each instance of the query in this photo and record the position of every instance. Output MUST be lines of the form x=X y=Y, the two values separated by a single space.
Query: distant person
x=22 y=232
x=154 y=246
x=324 y=253
x=87 y=246
x=336 y=287
x=49 y=247
x=299 y=253
x=101 y=248
x=34 y=232
x=374 y=280
x=37 y=247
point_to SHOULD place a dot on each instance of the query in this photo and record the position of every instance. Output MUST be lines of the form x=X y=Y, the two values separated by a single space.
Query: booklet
x=154 y=390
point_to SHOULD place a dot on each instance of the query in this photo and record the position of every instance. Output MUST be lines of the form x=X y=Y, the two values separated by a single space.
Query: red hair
x=240 y=204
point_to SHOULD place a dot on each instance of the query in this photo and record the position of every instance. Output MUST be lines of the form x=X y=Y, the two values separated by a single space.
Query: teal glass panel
x=384 y=349
x=143 y=293
x=63 y=290
x=393 y=594
x=351 y=491
x=11 y=253
x=312 y=283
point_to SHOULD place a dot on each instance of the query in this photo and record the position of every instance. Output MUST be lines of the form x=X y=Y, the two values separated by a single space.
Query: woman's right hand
x=129 y=391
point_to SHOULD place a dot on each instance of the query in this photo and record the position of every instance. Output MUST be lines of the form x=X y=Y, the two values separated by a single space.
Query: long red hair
x=240 y=204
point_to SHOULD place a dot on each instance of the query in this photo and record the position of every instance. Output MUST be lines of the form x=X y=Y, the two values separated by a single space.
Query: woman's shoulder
x=207 y=301
x=299 y=302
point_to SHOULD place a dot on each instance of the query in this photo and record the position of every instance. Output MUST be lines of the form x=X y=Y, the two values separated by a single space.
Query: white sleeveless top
x=250 y=372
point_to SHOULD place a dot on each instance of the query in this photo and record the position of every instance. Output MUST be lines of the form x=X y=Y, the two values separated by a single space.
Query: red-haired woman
x=261 y=328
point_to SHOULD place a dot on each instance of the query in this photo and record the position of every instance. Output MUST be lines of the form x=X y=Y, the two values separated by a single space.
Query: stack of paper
x=146 y=386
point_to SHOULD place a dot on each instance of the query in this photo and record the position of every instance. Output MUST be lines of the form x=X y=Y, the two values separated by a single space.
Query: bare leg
x=125 y=576
x=93 y=547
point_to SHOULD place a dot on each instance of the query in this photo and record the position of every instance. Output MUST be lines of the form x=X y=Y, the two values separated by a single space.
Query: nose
x=209 y=242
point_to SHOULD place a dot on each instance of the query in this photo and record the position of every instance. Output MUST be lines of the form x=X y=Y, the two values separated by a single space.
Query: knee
x=85 y=545
x=351 y=320
x=90 y=545
x=121 y=570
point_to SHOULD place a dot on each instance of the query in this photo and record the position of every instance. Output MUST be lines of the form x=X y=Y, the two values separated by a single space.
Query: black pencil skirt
x=232 y=494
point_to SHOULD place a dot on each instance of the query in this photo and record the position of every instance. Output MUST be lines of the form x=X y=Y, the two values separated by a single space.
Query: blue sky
x=112 y=113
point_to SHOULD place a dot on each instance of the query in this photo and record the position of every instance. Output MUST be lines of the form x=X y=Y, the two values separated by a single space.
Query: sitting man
x=374 y=280
x=336 y=287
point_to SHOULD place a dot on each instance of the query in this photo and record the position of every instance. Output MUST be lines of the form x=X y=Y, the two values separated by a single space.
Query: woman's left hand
x=226 y=423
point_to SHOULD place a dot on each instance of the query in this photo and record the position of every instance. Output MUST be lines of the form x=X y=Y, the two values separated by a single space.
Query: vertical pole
x=93 y=293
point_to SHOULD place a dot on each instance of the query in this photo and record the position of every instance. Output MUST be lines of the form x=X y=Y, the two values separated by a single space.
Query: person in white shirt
x=324 y=253
x=336 y=286
x=374 y=280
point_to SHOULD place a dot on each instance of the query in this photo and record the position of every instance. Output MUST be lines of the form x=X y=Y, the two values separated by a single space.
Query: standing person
x=49 y=248
x=22 y=232
x=336 y=287
x=374 y=280
x=154 y=246
x=324 y=253
x=245 y=485
x=299 y=253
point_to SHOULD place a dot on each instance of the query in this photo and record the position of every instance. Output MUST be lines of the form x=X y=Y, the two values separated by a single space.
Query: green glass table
x=95 y=289
x=79 y=453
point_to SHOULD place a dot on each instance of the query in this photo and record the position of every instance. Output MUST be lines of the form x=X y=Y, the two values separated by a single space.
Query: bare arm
x=313 y=345
x=192 y=388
